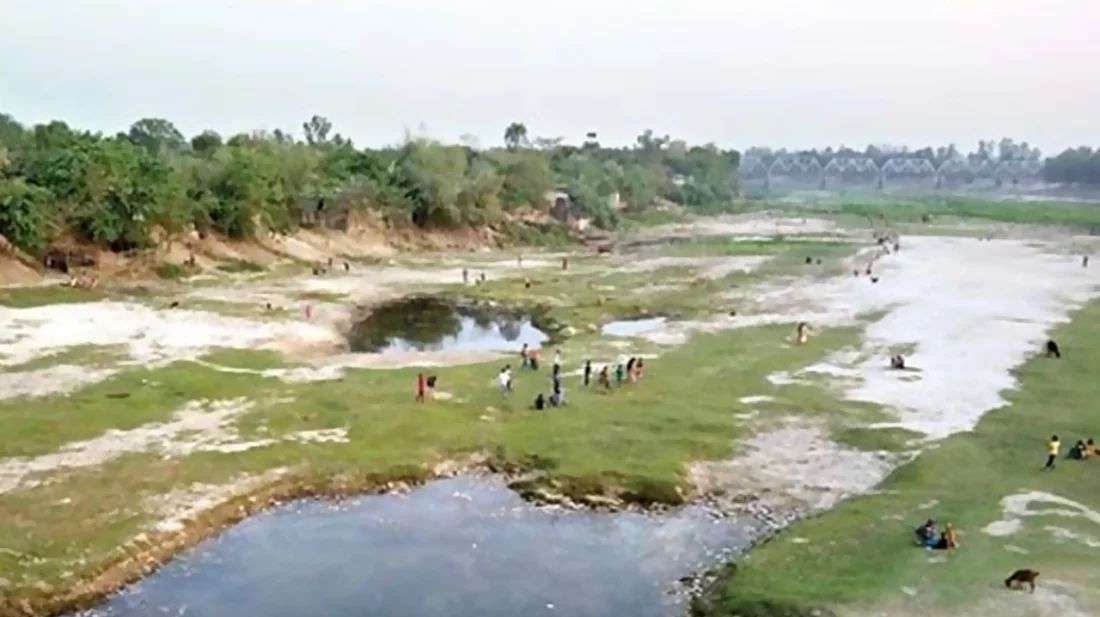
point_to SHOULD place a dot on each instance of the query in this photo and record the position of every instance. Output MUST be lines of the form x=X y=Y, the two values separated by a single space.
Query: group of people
x=928 y=538
x=557 y=394
x=632 y=370
x=481 y=278
x=1082 y=450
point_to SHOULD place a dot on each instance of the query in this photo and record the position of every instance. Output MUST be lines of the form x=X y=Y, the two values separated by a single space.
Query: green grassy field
x=636 y=438
x=915 y=209
x=860 y=556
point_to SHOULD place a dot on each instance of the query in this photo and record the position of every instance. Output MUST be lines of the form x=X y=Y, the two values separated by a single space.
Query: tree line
x=133 y=189
x=1080 y=166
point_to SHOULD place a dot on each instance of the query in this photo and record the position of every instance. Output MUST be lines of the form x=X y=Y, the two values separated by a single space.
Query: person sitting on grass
x=1077 y=452
x=949 y=540
x=540 y=402
x=1090 y=448
x=926 y=533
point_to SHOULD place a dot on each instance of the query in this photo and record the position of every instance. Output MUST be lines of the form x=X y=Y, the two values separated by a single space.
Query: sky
x=778 y=73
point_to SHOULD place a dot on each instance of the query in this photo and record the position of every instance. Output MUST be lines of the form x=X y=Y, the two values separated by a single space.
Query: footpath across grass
x=861 y=559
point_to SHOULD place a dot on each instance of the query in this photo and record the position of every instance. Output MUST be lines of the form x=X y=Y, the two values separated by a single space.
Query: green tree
x=515 y=135
x=156 y=135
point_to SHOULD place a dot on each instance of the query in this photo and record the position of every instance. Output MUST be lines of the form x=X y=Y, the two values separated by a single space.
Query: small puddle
x=433 y=324
x=633 y=327
x=461 y=547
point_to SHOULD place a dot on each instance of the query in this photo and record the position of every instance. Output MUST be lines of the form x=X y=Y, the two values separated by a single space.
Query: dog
x=1020 y=578
x=1052 y=349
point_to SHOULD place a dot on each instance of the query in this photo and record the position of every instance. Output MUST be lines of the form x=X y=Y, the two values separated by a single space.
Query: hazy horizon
x=789 y=73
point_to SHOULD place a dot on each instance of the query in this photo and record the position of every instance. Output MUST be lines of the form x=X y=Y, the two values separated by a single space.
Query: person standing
x=524 y=360
x=587 y=372
x=505 y=380
x=1052 y=452
x=465 y=276
x=557 y=361
x=421 y=387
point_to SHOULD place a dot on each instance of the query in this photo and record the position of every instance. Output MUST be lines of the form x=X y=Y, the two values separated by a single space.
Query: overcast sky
x=783 y=73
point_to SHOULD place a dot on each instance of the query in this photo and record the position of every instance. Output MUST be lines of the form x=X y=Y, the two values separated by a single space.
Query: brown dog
x=1020 y=578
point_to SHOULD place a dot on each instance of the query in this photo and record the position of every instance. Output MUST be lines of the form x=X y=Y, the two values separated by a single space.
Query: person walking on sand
x=421 y=387
x=1052 y=452
x=587 y=372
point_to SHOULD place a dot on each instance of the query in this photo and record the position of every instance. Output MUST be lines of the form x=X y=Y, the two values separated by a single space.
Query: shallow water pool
x=462 y=547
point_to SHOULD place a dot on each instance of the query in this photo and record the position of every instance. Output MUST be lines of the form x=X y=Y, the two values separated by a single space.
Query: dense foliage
x=132 y=189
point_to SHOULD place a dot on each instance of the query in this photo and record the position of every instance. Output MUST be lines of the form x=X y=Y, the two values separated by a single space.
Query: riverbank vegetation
x=134 y=189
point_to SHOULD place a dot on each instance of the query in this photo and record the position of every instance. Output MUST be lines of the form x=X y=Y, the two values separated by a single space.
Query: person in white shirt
x=505 y=379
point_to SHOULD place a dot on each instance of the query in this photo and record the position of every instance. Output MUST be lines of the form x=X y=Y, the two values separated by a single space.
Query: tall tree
x=515 y=135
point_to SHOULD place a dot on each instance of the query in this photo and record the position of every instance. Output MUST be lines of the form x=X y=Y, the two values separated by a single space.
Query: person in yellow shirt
x=1052 y=452
x=1090 y=448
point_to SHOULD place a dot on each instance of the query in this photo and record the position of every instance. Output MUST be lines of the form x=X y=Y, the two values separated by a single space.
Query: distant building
x=560 y=202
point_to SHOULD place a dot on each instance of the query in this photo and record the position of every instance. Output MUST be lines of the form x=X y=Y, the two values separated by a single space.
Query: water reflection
x=424 y=323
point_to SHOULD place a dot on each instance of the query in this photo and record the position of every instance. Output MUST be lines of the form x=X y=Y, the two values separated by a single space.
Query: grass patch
x=877 y=439
x=253 y=359
x=322 y=296
x=28 y=297
x=720 y=246
x=900 y=210
x=81 y=355
x=861 y=554
x=170 y=271
x=241 y=266
x=636 y=438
